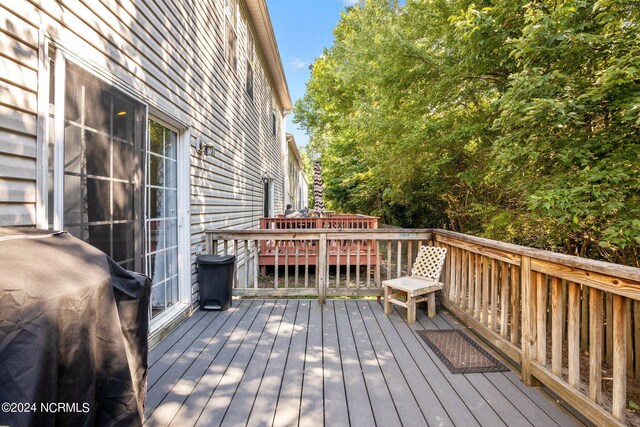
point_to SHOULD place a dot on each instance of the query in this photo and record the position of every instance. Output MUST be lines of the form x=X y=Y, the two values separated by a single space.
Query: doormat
x=460 y=353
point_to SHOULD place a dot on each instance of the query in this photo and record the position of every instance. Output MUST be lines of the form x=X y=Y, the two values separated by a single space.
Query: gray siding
x=18 y=111
x=170 y=52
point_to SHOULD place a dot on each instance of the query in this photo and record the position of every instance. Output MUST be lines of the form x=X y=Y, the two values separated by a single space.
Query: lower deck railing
x=317 y=262
x=569 y=323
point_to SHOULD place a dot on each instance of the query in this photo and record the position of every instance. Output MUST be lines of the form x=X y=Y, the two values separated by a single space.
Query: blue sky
x=303 y=29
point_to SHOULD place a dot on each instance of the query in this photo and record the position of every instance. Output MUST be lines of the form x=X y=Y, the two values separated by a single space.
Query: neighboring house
x=136 y=125
x=297 y=191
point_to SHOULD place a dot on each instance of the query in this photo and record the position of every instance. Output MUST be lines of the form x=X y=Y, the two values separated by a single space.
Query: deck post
x=321 y=268
x=528 y=321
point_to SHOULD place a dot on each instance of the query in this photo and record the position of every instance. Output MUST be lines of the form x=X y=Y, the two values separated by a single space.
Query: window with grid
x=250 y=61
x=162 y=216
x=231 y=38
x=102 y=195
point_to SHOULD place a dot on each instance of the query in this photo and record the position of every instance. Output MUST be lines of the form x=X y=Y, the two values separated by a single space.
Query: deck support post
x=321 y=268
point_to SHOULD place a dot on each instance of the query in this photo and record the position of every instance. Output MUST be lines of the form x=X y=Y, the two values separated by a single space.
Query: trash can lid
x=215 y=259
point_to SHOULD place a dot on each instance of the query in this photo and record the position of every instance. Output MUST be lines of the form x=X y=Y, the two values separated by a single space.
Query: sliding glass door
x=114 y=180
x=162 y=215
x=103 y=167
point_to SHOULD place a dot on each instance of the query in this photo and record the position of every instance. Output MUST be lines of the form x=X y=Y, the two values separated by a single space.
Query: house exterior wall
x=303 y=189
x=170 y=55
x=296 y=185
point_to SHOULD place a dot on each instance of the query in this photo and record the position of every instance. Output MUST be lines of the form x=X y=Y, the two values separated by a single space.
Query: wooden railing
x=318 y=262
x=570 y=323
x=565 y=320
x=335 y=221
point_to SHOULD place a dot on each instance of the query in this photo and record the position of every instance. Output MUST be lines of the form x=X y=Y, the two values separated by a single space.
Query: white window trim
x=42 y=144
x=58 y=144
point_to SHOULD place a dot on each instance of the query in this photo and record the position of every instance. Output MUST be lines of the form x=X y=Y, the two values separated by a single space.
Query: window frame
x=251 y=60
x=230 y=12
x=274 y=123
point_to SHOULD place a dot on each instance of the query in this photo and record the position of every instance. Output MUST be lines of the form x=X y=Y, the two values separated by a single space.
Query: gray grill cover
x=73 y=329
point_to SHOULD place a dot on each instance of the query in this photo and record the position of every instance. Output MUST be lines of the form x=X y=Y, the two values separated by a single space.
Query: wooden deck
x=295 y=362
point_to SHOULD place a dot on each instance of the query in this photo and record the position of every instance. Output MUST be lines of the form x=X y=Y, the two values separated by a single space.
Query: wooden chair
x=420 y=286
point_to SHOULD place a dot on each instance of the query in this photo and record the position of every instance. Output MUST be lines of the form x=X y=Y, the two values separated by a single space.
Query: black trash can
x=215 y=277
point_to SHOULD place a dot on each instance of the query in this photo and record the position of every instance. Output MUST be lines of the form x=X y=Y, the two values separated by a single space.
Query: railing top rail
x=335 y=216
x=446 y=236
x=609 y=268
x=332 y=233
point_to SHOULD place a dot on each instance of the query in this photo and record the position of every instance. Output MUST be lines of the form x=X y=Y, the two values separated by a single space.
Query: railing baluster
x=629 y=341
x=286 y=264
x=515 y=303
x=463 y=279
x=609 y=329
x=573 y=335
x=504 y=301
x=399 y=259
x=494 y=295
x=339 y=245
x=368 y=264
x=358 y=265
x=596 y=322
x=636 y=334
x=246 y=263
x=322 y=268
x=557 y=327
x=472 y=289
x=296 y=244
x=256 y=264
x=236 y=279
x=541 y=318
x=584 y=319
x=619 y=357
x=388 y=259
x=478 y=291
x=447 y=271
x=329 y=248
x=277 y=264
x=349 y=263
x=409 y=256
x=485 y=290
x=306 y=263
x=378 y=267
x=455 y=274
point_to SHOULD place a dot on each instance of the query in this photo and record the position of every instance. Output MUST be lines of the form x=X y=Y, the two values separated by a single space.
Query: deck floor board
x=264 y=406
x=290 y=391
x=360 y=412
x=294 y=362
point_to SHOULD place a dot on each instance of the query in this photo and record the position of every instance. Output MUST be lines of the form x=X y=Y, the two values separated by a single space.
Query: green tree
x=516 y=120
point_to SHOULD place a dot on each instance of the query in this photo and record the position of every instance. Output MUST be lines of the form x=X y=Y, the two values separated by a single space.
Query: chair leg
x=431 y=304
x=411 y=309
x=387 y=304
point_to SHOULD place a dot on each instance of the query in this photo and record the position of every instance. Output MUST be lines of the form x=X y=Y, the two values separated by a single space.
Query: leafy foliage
x=512 y=119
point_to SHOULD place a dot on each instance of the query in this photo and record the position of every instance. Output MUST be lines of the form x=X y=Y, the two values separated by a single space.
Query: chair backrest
x=429 y=262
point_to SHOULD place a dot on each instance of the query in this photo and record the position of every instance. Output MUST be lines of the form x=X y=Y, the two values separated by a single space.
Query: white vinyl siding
x=171 y=54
